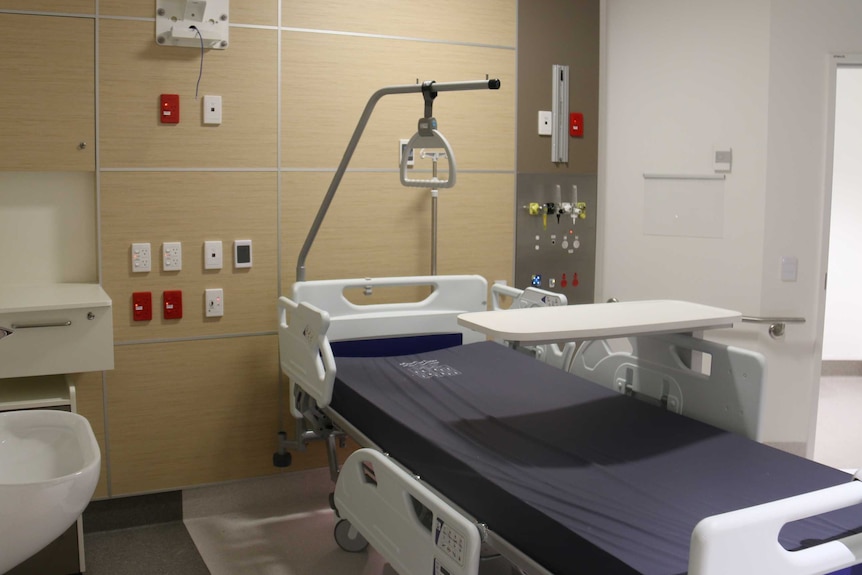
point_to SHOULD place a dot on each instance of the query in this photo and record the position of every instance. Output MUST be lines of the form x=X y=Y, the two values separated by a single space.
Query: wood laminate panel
x=375 y=227
x=477 y=22
x=190 y=413
x=259 y=12
x=47 y=93
x=190 y=207
x=327 y=81
x=135 y=71
x=61 y=6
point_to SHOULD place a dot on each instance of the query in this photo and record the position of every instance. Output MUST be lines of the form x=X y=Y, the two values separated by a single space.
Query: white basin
x=49 y=467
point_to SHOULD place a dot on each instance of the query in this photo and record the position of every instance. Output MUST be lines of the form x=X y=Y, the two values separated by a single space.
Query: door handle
x=777 y=325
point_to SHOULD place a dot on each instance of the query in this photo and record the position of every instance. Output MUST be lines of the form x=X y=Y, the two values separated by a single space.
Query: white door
x=677 y=86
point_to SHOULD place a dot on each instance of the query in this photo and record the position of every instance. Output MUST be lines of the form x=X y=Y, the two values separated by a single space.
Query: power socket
x=214 y=302
x=141 y=257
x=172 y=256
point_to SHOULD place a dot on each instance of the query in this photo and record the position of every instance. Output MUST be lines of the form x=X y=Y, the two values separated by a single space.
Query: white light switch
x=545 y=123
x=789 y=268
x=213 y=255
x=212 y=110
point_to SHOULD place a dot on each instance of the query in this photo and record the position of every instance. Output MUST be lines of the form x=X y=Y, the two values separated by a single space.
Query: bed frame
x=414 y=527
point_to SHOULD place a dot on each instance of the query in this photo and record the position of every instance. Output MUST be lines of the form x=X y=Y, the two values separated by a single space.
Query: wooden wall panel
x=323 y=97
x=375 y=227
x=260 y=12
x=476 y=22
x=194 y=412
x=46 y=93
x=91 y=405
x=63 y=6
x=191 y=207
x=135 y=71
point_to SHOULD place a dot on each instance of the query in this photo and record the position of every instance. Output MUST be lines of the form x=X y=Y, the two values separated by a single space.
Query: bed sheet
x=579 y=478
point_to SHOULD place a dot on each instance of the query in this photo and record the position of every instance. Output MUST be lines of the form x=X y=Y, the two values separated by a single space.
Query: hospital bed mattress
x=580 y=478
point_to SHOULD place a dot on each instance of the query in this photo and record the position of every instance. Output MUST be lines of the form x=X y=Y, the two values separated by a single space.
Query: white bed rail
x=665 y=368
x=305 y=354
x=437 y=313
x=379 y=499
x=745 y=542
x=550 y=353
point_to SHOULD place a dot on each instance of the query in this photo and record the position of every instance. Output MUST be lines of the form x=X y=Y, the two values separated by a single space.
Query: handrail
x=493 y=84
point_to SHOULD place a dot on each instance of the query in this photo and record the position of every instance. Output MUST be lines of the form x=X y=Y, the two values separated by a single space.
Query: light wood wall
x=197 y=400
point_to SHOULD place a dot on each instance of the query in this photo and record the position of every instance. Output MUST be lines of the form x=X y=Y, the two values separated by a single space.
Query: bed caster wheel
x=281 y=459
x=348 y=538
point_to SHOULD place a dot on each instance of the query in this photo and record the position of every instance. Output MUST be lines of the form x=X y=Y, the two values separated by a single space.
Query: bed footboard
x=415 y=530
x=745 y=542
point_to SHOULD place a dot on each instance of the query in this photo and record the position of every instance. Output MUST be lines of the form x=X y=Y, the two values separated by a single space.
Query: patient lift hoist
x=319 y=312
x=427 y=137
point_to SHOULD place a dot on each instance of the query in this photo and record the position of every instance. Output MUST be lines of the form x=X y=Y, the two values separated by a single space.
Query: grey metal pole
x=493 y=84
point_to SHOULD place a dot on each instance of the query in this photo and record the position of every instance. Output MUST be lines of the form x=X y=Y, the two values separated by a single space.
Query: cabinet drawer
x=68 y=340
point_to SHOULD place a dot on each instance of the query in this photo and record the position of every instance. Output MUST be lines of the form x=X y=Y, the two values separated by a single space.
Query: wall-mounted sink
x=49 y=468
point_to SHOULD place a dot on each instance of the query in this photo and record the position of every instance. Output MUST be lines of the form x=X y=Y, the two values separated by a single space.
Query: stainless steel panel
x=552 y=247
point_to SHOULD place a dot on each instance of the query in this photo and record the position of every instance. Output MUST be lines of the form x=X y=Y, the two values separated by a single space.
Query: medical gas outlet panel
x=555 y=245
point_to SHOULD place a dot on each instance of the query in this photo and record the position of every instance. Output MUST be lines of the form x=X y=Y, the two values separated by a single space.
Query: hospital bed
x=475 y=448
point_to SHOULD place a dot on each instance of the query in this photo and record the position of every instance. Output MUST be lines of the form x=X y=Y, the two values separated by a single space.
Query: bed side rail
x=437 y=313
x=550 y=353
x=305 y=355
x=414 y=529
x=745 y=542
x=717 y=384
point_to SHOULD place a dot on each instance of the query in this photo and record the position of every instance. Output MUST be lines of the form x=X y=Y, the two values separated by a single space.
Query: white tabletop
x=598 y=321
x=40 y=297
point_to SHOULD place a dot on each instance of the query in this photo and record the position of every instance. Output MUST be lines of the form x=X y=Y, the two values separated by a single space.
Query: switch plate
x=173 y=304
x=242 y=253
x=214 y=302
x=169 y=109
x=212 y=110
x=545 y=123
x=213 y=259
x=722 y=159
x=789 y=268
x=142 y=306
x=402 y=147
x=141 y=257
x=172 y=256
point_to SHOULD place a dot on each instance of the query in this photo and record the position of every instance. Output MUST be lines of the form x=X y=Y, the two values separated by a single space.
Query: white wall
x=47 y=227
x=682 y=75
x=841 y=340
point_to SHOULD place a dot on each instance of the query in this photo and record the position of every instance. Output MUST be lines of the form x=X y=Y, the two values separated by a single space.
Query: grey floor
x=282 y=525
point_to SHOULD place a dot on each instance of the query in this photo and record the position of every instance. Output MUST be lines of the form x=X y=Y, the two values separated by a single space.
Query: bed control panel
x=448 y=540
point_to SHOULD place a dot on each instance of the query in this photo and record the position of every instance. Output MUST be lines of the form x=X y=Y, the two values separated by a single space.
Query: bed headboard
x=319 y=313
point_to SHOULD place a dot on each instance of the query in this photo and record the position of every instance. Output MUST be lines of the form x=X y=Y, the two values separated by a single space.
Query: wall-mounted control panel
x=555 y=231
x=169 y=108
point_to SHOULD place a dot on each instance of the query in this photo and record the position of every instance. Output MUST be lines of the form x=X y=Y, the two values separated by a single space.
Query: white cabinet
x=56 y=329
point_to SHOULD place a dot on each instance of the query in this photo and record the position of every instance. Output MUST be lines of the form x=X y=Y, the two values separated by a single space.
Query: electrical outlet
x=214 y=302
x=141 y=257
x=213 y=255
x=212 y=110
x=172 y=256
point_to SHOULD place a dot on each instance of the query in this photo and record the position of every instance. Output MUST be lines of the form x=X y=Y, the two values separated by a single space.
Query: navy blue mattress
x=581 y=479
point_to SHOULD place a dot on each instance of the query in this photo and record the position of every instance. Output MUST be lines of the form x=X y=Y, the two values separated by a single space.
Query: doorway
x=839 y=428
